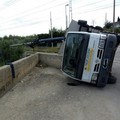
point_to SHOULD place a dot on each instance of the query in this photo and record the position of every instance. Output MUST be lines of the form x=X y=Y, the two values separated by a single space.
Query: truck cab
x=87 y=56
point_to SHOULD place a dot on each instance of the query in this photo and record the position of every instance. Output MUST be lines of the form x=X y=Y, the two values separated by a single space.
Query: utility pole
x=66 y=15
x=70 y=11
x=51 y=25
x=93 y=22
x=105 y=18
x=113 y=16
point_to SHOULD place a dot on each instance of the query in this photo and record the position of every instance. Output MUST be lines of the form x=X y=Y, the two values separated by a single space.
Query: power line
x=30 y=24
x=34 y=18
x=43 y=10
x=25 y=21
x=29 y=14
x=10 y=3
x=93 y=10
x=79 y=13
x=90 y=4
x=38 y=22
x=55 y=6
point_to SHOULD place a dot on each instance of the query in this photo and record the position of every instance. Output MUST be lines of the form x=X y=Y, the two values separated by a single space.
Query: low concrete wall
x=51 y=59
x=5 y=78
x=24 y=65
x=21 y=68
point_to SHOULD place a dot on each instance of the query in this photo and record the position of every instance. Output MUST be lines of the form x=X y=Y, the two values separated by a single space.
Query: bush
x=9 y=54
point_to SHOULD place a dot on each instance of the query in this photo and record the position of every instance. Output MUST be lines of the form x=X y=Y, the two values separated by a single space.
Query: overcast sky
x=27 y=17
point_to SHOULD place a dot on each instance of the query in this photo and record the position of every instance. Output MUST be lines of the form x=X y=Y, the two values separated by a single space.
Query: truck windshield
x=72 y=53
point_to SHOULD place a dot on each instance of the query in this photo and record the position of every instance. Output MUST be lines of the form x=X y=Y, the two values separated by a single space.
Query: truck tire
x=102 y=81
x=101 y=85
x=112 y=80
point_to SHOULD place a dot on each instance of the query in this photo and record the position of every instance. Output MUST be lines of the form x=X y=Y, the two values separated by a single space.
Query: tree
x=118 y=20
x=99 y=28
x=117 y=30
x=108 y=25
x=9 y=54
x=57 y=32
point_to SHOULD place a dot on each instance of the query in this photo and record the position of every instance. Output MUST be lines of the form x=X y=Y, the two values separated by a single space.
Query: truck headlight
x=101 y=44
x=94 y=76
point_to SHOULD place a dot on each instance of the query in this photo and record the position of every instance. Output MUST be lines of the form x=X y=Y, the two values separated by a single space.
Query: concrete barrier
x=51 y=59
x=21 y=68
x=5 y=78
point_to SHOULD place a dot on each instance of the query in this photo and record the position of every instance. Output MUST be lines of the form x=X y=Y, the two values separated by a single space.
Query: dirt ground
x=44 y=95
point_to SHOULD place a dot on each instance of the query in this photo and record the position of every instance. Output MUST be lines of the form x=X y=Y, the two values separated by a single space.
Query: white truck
x=88 y=55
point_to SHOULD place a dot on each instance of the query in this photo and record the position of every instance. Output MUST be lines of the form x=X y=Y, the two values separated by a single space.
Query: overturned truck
x=89 y=53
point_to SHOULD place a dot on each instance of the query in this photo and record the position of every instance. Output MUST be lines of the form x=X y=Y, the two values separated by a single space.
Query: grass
x=43 y=49
x=29 y=51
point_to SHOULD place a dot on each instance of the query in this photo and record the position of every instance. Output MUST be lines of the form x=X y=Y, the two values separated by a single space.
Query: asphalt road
x=44 y=95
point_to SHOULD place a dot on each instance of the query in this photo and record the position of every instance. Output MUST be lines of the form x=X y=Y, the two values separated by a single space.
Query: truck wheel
x=101 y=83
x=112 y=80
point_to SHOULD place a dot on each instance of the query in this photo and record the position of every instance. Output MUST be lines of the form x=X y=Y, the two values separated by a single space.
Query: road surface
x=44 y=95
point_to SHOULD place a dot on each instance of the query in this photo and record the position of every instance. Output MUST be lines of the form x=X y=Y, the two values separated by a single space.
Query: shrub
x=9 y=54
